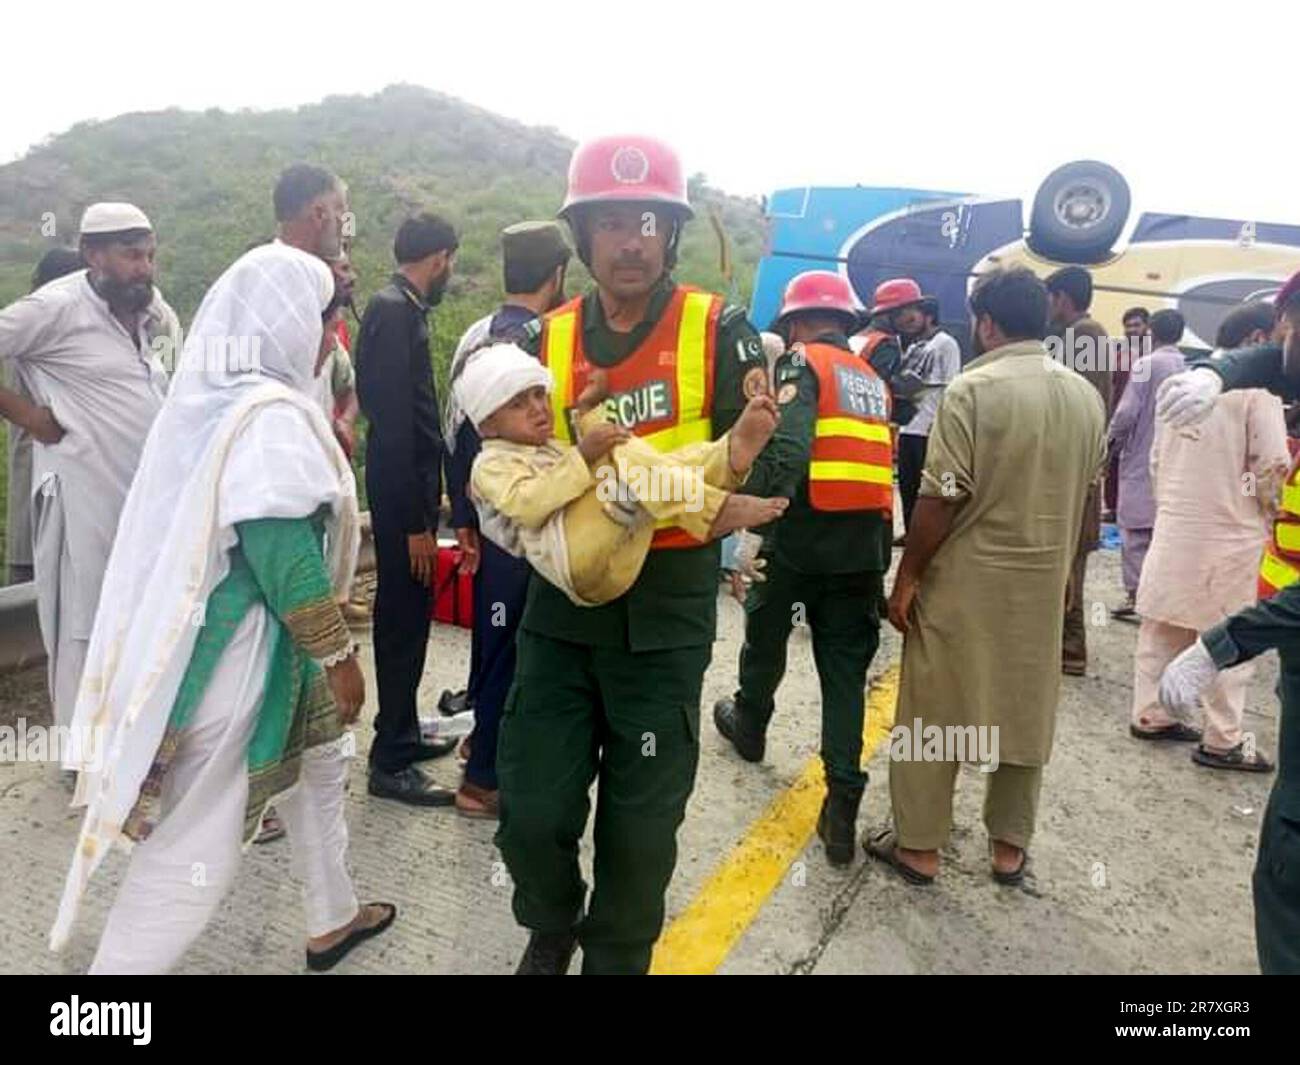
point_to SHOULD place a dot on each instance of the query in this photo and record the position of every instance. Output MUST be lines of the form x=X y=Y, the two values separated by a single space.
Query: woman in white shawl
x=220 y=673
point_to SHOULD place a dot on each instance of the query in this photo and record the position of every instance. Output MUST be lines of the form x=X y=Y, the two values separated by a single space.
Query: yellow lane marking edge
x=702 y=935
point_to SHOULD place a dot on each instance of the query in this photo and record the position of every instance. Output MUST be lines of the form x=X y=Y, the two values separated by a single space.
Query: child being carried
x=584 y=515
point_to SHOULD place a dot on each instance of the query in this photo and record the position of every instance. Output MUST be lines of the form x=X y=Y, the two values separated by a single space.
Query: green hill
x=205 y=180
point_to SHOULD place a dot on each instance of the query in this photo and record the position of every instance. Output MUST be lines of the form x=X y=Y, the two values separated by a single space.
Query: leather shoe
x=409 y=786
x=729 y=720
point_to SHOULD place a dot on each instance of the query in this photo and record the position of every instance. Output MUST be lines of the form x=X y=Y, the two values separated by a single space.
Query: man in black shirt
x=404 y=485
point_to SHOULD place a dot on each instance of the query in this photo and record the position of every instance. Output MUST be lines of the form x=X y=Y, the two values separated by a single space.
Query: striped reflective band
x=850 y=471
x=1291 y=499
x=692 y=338
x=1276 y=572
x=559 y=360
x=869 y=431
x=1287 y=536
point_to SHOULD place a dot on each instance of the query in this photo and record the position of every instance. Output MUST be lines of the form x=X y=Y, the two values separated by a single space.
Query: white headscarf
x=238 y=438
x=493 y=376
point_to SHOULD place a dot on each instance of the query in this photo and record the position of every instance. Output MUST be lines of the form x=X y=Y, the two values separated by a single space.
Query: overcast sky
x=1186 y=101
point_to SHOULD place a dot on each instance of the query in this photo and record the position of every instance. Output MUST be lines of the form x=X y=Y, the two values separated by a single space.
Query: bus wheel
x=1079 y=212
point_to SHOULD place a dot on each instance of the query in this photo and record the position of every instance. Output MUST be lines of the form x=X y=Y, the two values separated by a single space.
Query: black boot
x=548 y=954
x=730 y=720
x=835 y=824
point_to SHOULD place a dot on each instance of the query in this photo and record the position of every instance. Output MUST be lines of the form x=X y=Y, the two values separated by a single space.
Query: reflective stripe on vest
x=690 y=318
x=1280 y=565
x=851 y=467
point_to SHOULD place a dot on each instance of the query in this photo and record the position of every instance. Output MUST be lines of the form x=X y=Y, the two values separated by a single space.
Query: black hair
x=930 y=307
x=1137 y=312
x=1075 y=282
x=1242 y=321
x=297 y=187
x=423 y=235
x=1167 y=327
x=522 y=277
x=55 y=263
x=1016 y=301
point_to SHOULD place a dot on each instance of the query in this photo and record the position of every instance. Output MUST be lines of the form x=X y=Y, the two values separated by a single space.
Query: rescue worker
x=1184 y=400
x=612 y=693
x=826 y=558
x=879 y=342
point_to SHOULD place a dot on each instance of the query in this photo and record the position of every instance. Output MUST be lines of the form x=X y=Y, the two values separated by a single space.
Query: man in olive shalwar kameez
x=1017 y=442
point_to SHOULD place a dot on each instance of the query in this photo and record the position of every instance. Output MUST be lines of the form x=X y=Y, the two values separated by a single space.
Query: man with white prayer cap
x=87 y=349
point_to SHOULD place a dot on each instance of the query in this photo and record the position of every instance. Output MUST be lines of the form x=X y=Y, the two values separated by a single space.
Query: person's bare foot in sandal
x=325 y=952
x=1008 y=862
x=750 y=434
x=916 y=867
x=595 y=392
x=742 y=512
x=271 y=828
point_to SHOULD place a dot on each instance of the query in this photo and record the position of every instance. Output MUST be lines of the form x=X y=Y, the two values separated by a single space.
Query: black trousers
x=911 y=461
x=401 y=637
x=500 y=591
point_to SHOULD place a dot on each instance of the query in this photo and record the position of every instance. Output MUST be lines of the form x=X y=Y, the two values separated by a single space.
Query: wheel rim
x=1081 y=205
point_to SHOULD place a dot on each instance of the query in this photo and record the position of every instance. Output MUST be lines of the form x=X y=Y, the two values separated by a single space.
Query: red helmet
x=818 y=290
x=895 y=293
x=631 y=169
x=1288 y=292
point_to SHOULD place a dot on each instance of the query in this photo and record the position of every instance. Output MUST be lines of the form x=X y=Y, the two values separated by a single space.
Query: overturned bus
x=1202 y=267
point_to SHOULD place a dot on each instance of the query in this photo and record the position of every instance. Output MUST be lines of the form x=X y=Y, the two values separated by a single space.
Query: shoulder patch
x=790 y=368
x=731 y=314
x=786 y=393
x=750 y=349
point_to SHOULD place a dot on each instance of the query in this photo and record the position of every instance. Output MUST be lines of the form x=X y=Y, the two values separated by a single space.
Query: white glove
x=1185 y=680
x=748 y=564
x=1188 y=397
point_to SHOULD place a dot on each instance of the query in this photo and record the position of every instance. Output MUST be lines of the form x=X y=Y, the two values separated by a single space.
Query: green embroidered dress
x=278 y=563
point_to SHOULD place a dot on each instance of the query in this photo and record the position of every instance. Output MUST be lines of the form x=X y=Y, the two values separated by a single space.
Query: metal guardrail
x=20 y=630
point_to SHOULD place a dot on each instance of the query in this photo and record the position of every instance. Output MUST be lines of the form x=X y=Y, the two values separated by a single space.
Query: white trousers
x=178 y=876
x=1158 y=644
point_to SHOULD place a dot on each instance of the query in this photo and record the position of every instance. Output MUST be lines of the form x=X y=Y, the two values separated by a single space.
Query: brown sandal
x=882 y=845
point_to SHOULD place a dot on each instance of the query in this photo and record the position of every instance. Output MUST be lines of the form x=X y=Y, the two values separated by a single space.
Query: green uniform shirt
x=804 y=539
x=1255 y=367
x=674 y=601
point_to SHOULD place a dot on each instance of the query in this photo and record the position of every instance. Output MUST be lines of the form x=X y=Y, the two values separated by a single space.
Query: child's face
x=526 y=419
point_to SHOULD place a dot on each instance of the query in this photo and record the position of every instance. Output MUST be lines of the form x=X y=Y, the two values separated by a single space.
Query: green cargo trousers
x=629 y=721
x=1276 y=881
x=840 y=609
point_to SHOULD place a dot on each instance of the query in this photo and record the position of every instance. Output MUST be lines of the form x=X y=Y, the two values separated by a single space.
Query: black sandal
x=1014 y=878
x=1233 y=759
x=883 y=846
x=1176 y=733
x=320 y=960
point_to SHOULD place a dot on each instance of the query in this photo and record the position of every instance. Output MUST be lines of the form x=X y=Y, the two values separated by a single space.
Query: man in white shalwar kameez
x=233 y=686
x=86 y=349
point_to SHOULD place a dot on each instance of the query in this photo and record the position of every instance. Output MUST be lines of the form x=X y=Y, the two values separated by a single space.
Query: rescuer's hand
x=1184 y=681
x=1188 y=397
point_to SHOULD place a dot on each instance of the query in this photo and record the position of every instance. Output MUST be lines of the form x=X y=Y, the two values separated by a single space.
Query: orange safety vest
x=662 y=391
x=852 y=455
x=872 y=339
x=1280 y=565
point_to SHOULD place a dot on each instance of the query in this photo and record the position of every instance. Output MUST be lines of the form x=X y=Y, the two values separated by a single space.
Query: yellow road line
x=702 y=935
